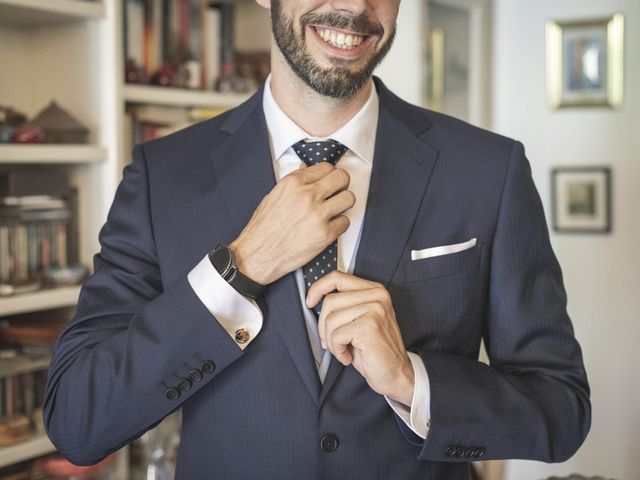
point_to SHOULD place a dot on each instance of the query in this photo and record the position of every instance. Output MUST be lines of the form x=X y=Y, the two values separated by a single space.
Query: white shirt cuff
x=417 y=418
x=234 y=311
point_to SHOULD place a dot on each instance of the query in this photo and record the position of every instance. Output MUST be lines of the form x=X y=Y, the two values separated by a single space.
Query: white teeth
x=339 y=39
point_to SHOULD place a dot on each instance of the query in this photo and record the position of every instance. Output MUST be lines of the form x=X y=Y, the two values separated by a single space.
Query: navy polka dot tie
x=327 y=260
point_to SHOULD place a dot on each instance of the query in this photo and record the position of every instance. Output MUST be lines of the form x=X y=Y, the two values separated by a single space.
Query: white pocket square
x=443 y=250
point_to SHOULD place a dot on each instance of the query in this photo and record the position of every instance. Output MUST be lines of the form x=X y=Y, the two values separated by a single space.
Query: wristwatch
x=224 y=261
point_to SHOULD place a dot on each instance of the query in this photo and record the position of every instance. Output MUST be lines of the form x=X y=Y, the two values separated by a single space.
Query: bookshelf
x=51 y=154
x=40 y=300
x=42 y=12
x=180 y=97
x=71 y=51
x=34 y=447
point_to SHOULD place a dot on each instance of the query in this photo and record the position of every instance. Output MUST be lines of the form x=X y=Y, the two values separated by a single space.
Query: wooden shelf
x=40 y=300
x=38 y=445
x=51 y=154
x=42 y=12
x=181 y=96
x=23 y=364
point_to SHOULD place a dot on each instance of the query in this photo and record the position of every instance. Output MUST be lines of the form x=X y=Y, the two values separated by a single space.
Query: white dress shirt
x=234 y=311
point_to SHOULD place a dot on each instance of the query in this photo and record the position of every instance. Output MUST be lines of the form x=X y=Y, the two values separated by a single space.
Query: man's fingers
x=337 y=304
x=340 y=202
x=342 y=338
x=315 y=172
x=333 y=182
x=336 y=280
x=333 y=320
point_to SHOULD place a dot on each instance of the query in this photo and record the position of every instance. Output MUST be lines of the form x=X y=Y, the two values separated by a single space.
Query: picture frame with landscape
x=581 y=199
x=585 y=62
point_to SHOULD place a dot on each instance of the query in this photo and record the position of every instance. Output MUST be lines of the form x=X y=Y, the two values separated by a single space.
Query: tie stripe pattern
x=327 y=260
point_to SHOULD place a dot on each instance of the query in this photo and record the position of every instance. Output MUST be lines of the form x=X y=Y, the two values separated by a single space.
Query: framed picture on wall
x=581 y=199
x=585 y=62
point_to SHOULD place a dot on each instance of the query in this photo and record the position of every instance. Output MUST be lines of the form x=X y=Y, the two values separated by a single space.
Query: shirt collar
x=358 y=134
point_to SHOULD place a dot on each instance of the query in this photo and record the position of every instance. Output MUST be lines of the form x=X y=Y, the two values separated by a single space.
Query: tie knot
x=314 y=152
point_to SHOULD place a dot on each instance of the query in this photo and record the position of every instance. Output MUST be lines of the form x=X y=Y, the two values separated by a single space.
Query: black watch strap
x=224 y=262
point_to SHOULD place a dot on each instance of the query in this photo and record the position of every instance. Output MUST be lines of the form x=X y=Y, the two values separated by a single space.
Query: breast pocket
x=442 y=264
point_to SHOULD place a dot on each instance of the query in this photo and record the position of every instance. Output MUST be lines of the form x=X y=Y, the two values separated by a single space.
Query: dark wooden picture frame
x=581 y=199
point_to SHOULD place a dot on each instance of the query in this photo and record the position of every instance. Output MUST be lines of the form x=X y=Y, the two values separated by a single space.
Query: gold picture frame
x=585 y=62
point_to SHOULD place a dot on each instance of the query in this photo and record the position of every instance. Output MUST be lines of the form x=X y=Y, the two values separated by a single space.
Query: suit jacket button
x=449 y=451
x=208 y=366
x=173 y=393
x=329 y=442
x=458 y=452
x=469 y=452
x=184 y=384
x=195 y=375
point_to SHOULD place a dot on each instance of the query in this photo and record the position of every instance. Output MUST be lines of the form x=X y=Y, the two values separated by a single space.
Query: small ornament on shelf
x=28 y=133
x=10 y=119
x=135 y=73
x=60 y=126
x=168 y=75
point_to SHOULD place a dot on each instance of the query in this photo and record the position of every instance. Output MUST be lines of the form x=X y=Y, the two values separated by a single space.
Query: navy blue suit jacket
x=261 y=413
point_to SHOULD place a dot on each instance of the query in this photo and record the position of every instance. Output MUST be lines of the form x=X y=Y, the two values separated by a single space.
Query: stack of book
x=38 y=231
x=164 y=37
x=21 y=396
x=26 y=345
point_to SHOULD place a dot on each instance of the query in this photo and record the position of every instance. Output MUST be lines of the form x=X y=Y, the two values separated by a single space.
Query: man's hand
x=294 y=222
x=358 y=325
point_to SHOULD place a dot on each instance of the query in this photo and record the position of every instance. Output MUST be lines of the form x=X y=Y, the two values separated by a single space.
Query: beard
x=337 y=81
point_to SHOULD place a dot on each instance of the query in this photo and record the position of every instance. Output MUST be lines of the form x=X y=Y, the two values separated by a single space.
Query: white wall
x=602 y=273
x=400 y=70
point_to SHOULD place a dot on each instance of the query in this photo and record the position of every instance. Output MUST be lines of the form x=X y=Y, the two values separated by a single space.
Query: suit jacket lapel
x=244 y=173
x=402 y=167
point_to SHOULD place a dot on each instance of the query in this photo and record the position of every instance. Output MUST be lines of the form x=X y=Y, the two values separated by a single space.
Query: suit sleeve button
x=458 y=452
x=184 y=384
x=173 y=393
x=449 y=451
x=469 y=452
x=195 y=375
x=478 y=453
x=208 y=366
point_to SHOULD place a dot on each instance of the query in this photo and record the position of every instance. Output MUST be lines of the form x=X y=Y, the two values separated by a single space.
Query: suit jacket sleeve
x=131 y=339
x=533 y=400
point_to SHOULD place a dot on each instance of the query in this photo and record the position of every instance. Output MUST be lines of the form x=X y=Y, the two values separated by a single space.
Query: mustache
x=358 y=24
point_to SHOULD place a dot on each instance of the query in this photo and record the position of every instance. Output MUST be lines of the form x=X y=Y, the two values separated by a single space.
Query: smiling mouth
x=340 y=39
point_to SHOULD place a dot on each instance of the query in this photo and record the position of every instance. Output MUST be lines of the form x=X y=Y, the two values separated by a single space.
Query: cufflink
x=242 y=336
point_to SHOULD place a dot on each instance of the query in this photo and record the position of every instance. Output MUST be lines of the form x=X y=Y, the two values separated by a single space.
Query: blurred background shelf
x=51 y=154
x=38 y=12
x=38 y=445
x=40 y=300
x=181 y=97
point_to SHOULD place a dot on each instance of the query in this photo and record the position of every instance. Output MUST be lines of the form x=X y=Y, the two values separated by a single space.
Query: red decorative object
x=167 y=76
x=28 y=133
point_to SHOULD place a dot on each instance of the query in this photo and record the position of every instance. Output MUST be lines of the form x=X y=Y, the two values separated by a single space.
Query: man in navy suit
x=426 y=235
